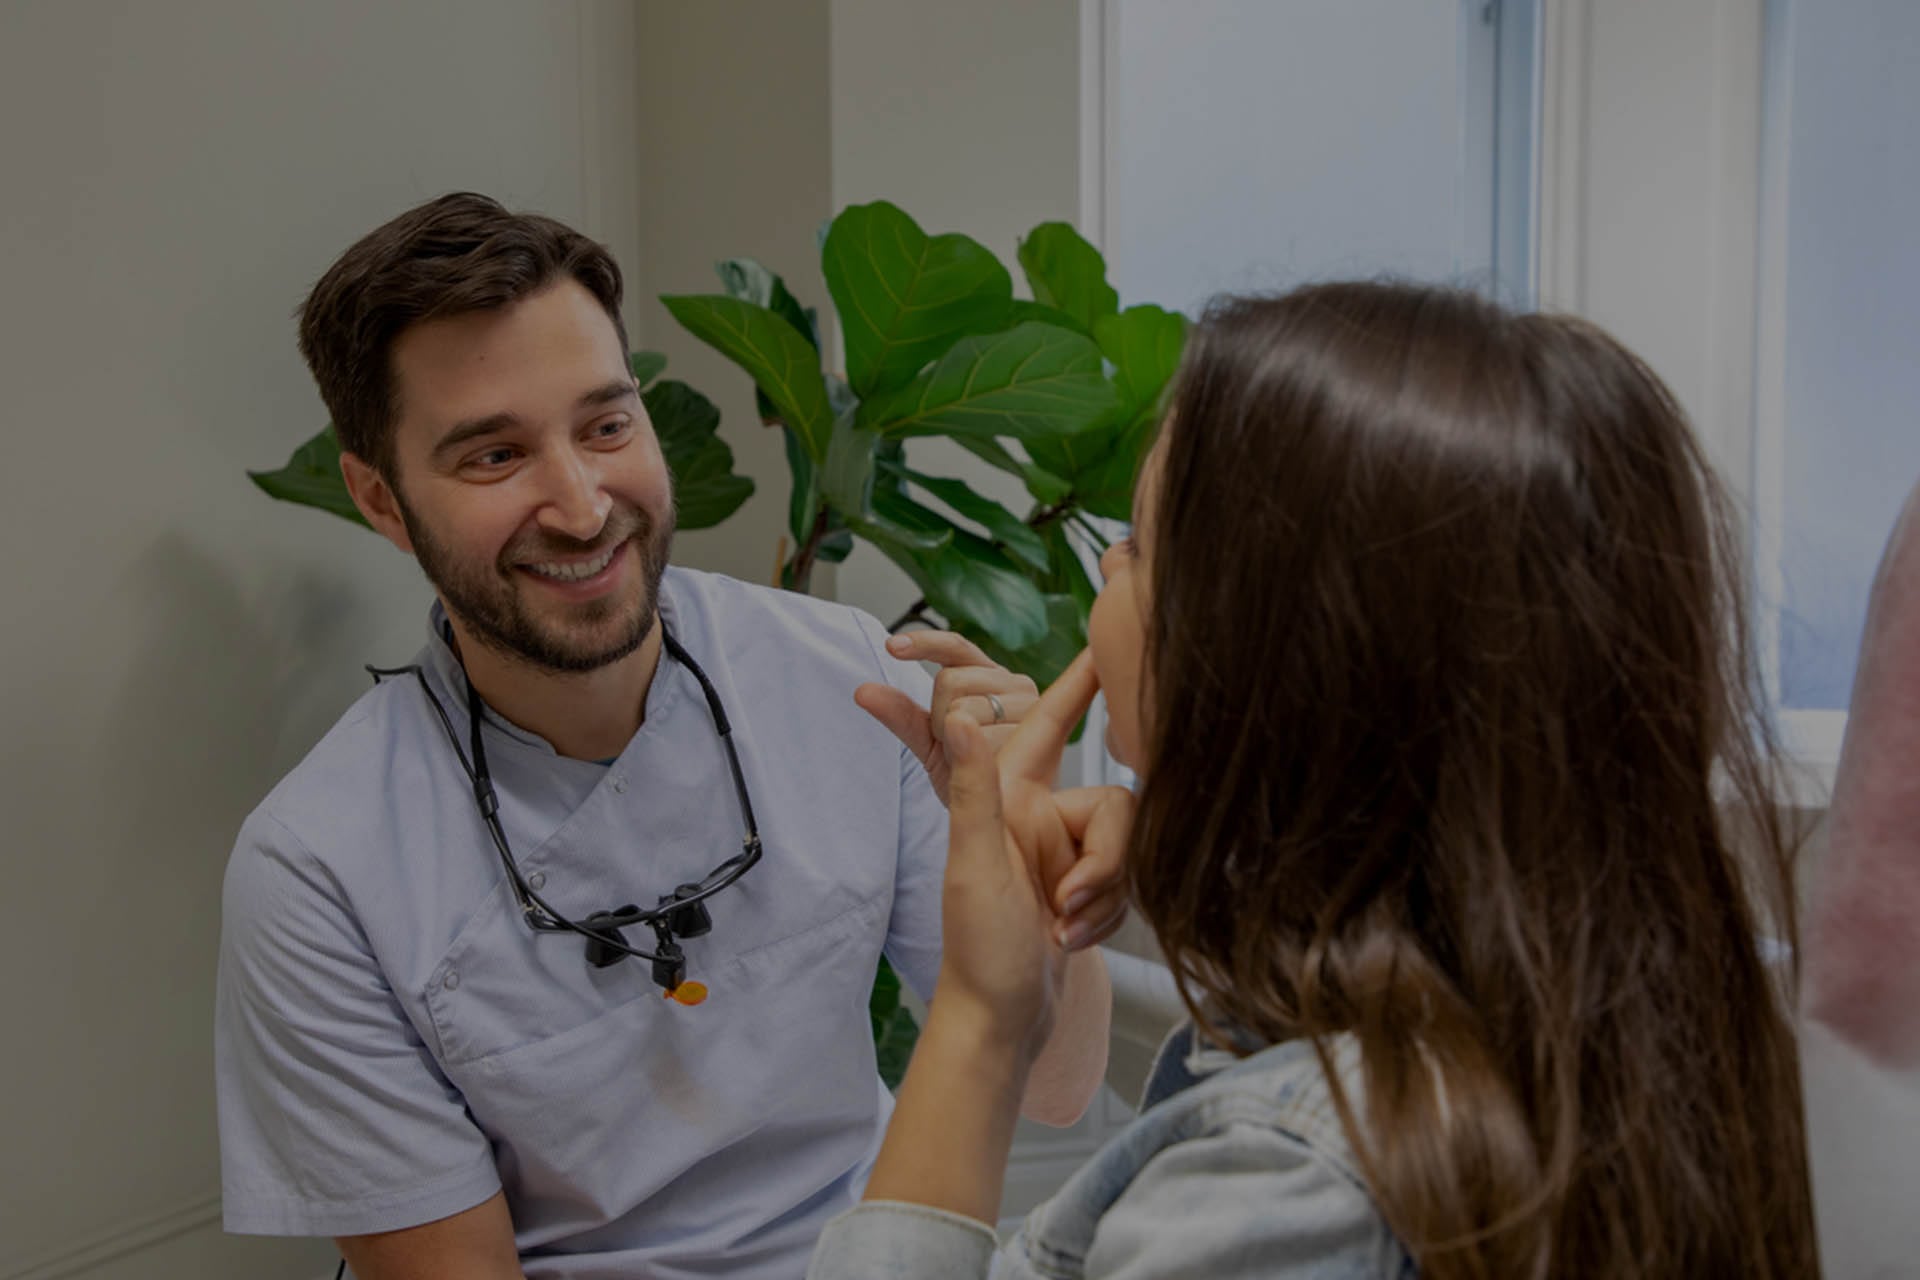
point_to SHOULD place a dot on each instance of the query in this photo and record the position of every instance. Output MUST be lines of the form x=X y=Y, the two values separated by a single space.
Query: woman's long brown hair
x=1450 y=725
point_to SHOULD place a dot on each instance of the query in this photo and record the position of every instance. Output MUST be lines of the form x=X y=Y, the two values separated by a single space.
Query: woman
x=1428 y=652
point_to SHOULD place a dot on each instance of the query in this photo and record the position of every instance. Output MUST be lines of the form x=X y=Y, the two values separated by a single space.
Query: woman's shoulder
x=1245 y=1171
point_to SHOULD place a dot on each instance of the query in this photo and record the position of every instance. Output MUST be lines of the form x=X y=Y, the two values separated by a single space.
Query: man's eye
x=611 y=429
x=494 y=458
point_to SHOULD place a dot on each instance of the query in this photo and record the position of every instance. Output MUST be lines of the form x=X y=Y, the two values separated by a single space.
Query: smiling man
x=441 y=1037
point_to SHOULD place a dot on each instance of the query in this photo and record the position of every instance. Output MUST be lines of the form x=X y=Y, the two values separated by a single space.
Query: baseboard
x=118 y=1240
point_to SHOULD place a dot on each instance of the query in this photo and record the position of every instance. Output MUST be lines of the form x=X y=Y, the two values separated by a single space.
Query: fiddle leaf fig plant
x=1060 y=391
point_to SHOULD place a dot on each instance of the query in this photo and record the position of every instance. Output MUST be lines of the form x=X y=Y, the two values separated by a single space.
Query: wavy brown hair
x=1449 y=596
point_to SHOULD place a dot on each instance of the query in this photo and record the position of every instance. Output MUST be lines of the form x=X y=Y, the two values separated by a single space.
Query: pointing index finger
x=948 y=648
x=1035 y=748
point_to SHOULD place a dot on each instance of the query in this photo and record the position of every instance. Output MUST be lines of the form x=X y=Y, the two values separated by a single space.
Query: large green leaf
x=894 y=538
x=705 y=489
x=1103 y=464
x=847 y=476
x=1024 y=311
x=1042 y=484
x=803 y=500
x=1033 y=382
x=1143 y=343
x=969 y=580
x=1004 y=527
x=836 y=546
x=312 y=478
x=1066 y=573
x=903 y=296
x=747 y=280
x=1069 y=456
x=781 y=361
x=1068 y=273
x=894 y=1030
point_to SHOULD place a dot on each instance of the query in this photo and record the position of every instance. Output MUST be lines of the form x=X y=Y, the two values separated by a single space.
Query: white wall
x=176 y=176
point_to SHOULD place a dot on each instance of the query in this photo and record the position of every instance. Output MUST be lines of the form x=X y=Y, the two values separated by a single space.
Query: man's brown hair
x=457 y=254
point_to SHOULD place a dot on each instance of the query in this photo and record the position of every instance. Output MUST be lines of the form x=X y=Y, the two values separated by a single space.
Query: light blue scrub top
x=393 y=1044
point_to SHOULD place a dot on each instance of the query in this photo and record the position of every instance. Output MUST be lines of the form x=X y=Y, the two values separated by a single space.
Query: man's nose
x=577 y=503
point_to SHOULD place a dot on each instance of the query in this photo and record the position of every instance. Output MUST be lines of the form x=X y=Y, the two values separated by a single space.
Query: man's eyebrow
x=618 y=389
x=466 y=430
x=461 y=432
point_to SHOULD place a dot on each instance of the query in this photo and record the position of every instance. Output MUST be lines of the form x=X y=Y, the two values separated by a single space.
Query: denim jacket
x=1236 y=1168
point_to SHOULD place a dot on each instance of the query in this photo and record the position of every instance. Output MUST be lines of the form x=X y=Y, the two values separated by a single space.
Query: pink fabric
x=1863 y=945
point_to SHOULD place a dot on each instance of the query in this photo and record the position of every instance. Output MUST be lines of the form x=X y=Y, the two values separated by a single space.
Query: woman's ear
x=376 y=500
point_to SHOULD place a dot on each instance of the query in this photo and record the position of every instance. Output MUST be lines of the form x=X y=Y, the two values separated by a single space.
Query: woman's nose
x=1110 y=561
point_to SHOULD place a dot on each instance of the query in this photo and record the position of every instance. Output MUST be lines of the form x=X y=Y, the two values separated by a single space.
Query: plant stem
x=1085 y=526
x=804 y=558
x=1044 y=516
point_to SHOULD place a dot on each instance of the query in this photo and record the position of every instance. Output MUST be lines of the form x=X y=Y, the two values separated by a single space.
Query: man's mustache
x=622 y=525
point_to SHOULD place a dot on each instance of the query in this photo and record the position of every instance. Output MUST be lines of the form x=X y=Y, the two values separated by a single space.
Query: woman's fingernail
x=1080 y=899
x=899 y=644
x=1073 y=937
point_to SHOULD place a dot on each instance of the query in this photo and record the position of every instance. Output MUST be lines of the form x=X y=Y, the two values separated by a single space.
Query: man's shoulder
x=743 y=620
x=731 y=599
x=339 y=786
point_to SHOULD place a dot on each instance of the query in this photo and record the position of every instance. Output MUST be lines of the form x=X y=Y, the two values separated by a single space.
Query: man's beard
x=487 y=597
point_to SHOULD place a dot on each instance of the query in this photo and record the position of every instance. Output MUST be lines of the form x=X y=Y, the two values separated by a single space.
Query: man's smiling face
x=528 y=479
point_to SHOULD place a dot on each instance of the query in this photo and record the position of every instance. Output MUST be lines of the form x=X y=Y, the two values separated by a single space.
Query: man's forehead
x=542 y=353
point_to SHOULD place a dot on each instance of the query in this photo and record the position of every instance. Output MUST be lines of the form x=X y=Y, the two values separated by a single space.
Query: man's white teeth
x=577 y=571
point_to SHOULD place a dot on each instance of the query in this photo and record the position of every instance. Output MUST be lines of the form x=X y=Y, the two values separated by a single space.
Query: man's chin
x=568 y=647
x=574 y=652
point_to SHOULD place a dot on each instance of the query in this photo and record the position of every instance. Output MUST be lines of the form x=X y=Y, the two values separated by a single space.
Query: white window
x=1233 y=145
x=1837 y=439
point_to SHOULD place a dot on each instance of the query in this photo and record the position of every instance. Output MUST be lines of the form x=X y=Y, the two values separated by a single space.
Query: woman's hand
x=968 y=681
x=1012 y=845
x=1017 y=852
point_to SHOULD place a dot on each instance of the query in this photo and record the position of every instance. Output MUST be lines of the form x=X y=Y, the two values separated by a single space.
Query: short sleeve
x=334 y=1118
x=913 y=933
x=1247 y=1201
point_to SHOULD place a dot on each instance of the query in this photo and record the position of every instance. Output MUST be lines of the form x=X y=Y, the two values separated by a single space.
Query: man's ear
x=376 y=500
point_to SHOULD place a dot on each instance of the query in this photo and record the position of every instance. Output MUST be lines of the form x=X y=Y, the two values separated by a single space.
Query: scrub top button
x=452 y=979
x=537 y=881
x=620 y=783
